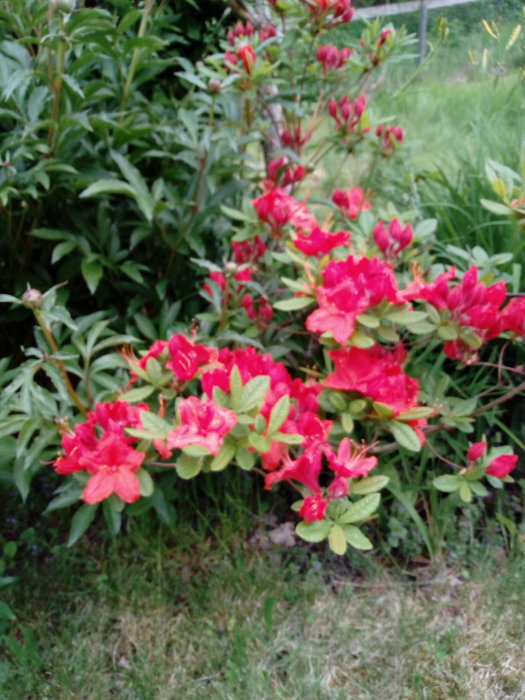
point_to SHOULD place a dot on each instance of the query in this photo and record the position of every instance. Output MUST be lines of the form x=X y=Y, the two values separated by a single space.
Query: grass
x=146 y=619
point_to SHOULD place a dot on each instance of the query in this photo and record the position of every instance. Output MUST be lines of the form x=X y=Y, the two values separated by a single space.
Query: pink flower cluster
x=392 y=239
x=100 y=447
x=351 y=287
x=348 y=114
x=330 y=13
x=331 y=58
x=499 y=467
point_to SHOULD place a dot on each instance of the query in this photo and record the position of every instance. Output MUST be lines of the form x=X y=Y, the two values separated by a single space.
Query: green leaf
x=293 y=304
x=236 y=389
x=196 y=451
x=279 y=414
x=259 y=424
x=155 y=423
x=496 y=207
x=416 y=413
x=313 y=532
x=447 y=483
x=187 y=467
x=356 y=538
x=253 y=393
x=368 y=320
x=405 y=436
x=113 y=517
x=80 y=522
x=447 y=333
x=347 y=421
x=337 y=540
x=108 y=186
x=224 y=456
x=245 y=459
x=465 y=493
x=383 y=410
x=135 y=395
x=288 y=438
x=361 y=510
x=369 y=485
x=479 y=489
x=145 y=482
x=92 y=272
x=360 y=340
x=259 y=442
x=65 y=499
x=406 y=317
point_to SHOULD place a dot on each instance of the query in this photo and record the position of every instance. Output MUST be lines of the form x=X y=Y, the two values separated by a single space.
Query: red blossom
x=313 y=508
x=320 y=242
x=332 y=58
x=330 y=13
x=248 y=251
x=351 y=203
x=240 y=31
x=351 y=460
x=391 y=137
x=502 y=466
x=187 y=358
x=202 y=423
x=393 y=239
x=476 y=450
x=277 y=208
x=350 y=287
x=348 y=114
x=112 y=464
x=377 y=374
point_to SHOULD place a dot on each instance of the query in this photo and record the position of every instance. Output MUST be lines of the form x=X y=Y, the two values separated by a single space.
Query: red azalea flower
x=348 y=113
x=502 y=466
x=277 y=208
x=320 y=242
x=351 y=203
x=113 y=464
x=202 y=423
x=313 y=508
x=187 y=358
x=332 y=58
x=351 y=460
x=305 y=470
x=476 y=450
x=392 y=240
x=248 y=251
x=350 y=287
x=375 y=373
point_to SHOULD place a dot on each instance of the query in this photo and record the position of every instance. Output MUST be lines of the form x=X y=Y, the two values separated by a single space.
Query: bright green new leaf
x=405 y=436
x=369 y=485
x=313 y=532
x=356 y=538
x=187 y=467
x=224 y=456
x=279 y=414
x=145 y=482
x=293 y=304
x=337 y=540
x=361 y=510
x=447 y=483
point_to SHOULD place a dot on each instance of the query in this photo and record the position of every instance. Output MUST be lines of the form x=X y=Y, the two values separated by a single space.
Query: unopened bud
x=32 y=299
x=215 y=85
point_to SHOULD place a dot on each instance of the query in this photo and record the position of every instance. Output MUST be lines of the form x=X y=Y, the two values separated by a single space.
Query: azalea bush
x=328 y=336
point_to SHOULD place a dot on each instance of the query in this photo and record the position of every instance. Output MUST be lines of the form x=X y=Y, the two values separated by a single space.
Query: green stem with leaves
x=60 y=365
x=136 y=54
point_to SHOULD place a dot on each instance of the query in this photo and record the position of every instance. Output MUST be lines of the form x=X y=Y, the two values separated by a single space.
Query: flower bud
x=32 y=299
x=214 y=85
